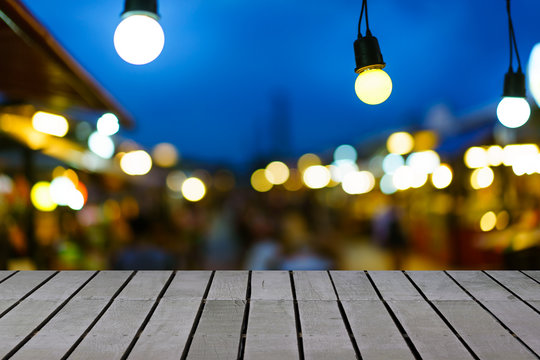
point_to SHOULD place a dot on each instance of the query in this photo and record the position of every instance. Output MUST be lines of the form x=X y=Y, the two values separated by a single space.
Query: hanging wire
x=364 y=7
x=512 y=38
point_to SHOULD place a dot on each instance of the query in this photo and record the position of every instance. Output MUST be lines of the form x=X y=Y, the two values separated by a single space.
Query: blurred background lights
x=316 y=177
x=345 y=152
x=193 y=189
x=61 y=190
x=400 y=143
x=503 y=218
x=6 y=184
x=358 y=182
x=41 y=197
x=76 y=200
x=259 y=182
x=51 y=124
x=424 y=161
x=476 y=157
x=101 y=145
x=442 y=177
x=488 y=221
x=482 y=178
x=387 y=184
x=136 y=162
x=294 y=182
x=308 y=160
x=533 y=70
x=175 y=179
x=392 y=162
x=340 y=168
x=495 y=155
x=276 y=172
x=425 y=140
x=108 y=124
x=165 y=155
x=139 y=39
x=419 y=179
x=403 y=177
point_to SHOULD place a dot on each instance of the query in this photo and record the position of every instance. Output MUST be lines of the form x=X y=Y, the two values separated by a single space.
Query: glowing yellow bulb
x=41 y=197
x=193 y=189
x=373 y=86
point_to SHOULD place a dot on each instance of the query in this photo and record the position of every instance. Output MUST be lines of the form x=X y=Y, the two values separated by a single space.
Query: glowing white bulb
x=139 y=39
x=513 y=112
x=373 y=86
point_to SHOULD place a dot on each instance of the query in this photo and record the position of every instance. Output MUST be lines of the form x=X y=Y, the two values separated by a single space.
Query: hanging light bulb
x=513 y=110
x=139 y=38
x=373 y=85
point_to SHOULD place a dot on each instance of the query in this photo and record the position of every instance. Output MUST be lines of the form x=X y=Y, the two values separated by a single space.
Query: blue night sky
x=213 y=89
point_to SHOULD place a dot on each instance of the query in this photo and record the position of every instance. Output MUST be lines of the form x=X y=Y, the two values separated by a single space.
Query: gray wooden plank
x=32 y=311
x=517 y=316
x=218 y=333
x=188 y=285
x=393 y=285
x=486 y=337
x=271 y=332
x=353 y=285
x=168 y=330
x=535 y=274
x=229 y=285
x=323 y=331
x=525 y=287
x=271 y=285
x=375 y=332
x=73 y=319
x=313 y=285
x=428 y=332
x=5 y=273
x=115 y=330
x=19 y=285
x=436 y=285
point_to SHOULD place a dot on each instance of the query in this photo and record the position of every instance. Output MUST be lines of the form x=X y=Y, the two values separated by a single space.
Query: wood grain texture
x=73 y=319
x=113 y=333
x=323 y=331
x=271 y=285
x=19 y=285
x=353 y=285
x=436 y=285
x=524 y=287
x=535 y=274
x=313 y=285
x=218 y=333
x=4 y=274
x=17 y=324
x=229 y=285
x=375 y=332
x=271 y=332
x=393 y=285
x=167 y=332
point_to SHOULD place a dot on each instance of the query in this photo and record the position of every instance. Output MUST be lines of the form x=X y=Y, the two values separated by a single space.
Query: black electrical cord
x=364 y=7
x=512 y=38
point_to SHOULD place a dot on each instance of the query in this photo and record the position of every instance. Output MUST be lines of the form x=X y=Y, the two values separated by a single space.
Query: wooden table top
x=270 y=315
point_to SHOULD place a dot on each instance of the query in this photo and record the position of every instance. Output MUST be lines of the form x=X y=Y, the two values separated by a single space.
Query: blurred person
x=389 y=234
x=142 y=253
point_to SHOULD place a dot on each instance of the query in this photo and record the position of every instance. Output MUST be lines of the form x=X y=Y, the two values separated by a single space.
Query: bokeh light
x=442 y=177
x=403 y=177
x=488 y=221
x=308 y=160
x=495 y=155
x=476 y=157
x=51 y=124
x=316 y=177
x=277 y=172
x=424 y=161
x=41 y=197
x=345 y=152
x=294 y=182
x=425 y=140
x=392 y=162
x=165 y=155
x=482 y=178
x=340 y=168
x=503 y=219
x=101 y=145
x=358 y=182
x=400 y=143
x=387 y=184
x=108 y=124
x=175 y=179
x=61 y=190
x=136 y=162
x=259 y=182
x=193 y=189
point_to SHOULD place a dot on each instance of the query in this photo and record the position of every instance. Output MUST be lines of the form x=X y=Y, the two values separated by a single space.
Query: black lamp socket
x=141 y=6
x=368 y=54
x=514 y=84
